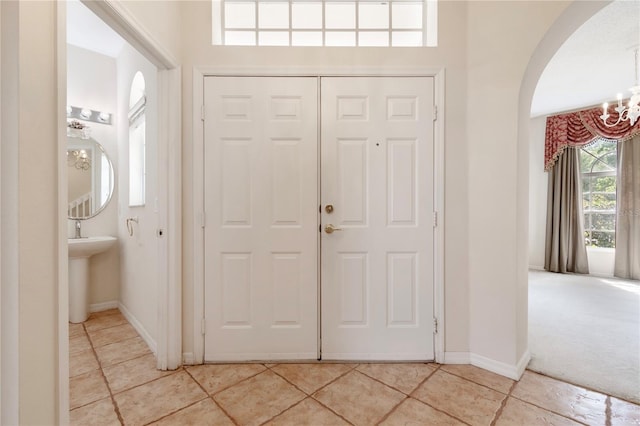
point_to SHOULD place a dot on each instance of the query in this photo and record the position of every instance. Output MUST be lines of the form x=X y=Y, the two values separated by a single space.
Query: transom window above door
x=362 y=23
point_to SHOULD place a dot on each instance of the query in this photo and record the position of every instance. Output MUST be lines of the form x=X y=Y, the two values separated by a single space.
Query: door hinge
x=203 y=326
x=202 y=112
x=435 y=112
x=435 y=219
x=435 y=325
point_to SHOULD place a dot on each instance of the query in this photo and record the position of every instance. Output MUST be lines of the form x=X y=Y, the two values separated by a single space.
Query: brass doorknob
x=330 y=229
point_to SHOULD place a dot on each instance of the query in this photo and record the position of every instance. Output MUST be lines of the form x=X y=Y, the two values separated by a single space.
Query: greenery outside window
x=598 y=163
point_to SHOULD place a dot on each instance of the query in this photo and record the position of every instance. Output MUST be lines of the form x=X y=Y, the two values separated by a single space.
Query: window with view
x=137 y=141
x=598 y=162
x=395 y=23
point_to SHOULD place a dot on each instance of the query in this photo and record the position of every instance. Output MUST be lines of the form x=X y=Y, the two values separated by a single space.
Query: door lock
x=329 y=208
x=330 y=229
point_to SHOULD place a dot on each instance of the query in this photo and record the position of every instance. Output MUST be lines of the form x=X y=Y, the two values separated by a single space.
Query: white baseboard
x=188 y=358
x=522 y=364
x=139 y=328
x=508 y=370
x=536 y=268
x=457 y=358
x=104 y=306
x=511 y=371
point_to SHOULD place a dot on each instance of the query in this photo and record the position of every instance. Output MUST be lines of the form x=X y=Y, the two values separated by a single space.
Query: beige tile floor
x=113 y=381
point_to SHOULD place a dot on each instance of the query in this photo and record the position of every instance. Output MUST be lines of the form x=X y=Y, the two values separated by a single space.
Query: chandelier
x=79 y=159
x=632 y=111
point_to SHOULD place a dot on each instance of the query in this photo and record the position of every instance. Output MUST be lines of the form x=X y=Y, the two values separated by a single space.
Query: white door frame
x=169 y=348
x=169 y=339
x=199 y=73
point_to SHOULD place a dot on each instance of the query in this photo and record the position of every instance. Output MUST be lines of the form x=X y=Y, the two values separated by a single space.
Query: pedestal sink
x=80 y=250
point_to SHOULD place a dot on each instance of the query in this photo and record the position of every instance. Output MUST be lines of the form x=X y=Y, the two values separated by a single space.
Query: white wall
x=485 y=48
x=91 y=83
x=139 y=253
x=34 y=377
x=38 y=231
x=32 y=222
x=502 y=37
x=198 y=51
x=538 y=180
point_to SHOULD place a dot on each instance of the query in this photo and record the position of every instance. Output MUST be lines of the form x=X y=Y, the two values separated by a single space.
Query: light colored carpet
x=586 y=330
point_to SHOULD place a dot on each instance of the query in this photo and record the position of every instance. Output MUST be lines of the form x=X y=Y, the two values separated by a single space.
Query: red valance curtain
x=579 y=128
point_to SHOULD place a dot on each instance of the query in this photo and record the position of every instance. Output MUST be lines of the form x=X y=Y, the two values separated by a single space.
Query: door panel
x=261 y=201
x=261 y=236
x=377 y=173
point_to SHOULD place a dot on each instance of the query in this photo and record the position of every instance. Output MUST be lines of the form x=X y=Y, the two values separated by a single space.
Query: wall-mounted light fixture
x=87 y=114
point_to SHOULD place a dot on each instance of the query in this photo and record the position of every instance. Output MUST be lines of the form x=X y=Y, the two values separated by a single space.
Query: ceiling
x=594 y=64
x=86 y=30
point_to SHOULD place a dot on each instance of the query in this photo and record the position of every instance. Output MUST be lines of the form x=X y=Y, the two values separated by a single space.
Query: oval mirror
x=90 y=175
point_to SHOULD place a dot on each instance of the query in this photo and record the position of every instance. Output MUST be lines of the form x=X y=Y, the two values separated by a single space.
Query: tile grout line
x=548 y=410
x=584 y=387
x=122 y=341
x=478 y=383
x=310 y=395
x=386 y=416
x=210 y=396
x=236 y=383
x=104 y=377
x=392 y=387
x=285 y=410
x=328 y=384
x=330 y=409
x=539 y=406
x=127 y=360
x=176 y=411
x=173 y=372
x=497 y=414
x=307 y=395
x=438 y=368
x=503 y=404
x=334 y=380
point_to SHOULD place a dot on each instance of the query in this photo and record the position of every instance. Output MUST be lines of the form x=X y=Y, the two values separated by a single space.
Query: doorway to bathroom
x=319 y=218
x=107 y=48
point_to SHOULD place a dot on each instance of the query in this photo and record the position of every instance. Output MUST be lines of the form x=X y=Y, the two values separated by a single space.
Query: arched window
x=137 y=105
x=598 y=163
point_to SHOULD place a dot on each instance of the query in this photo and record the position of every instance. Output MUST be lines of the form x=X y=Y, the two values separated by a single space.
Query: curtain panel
x=576 y=129
x=627 y=263
x=565 y=250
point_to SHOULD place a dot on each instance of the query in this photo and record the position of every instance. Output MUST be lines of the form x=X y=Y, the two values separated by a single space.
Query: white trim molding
x=104 y=306
x=188 y=358
x=508 y=370
x=139 y=328
x=457 y=358
x=115 y=14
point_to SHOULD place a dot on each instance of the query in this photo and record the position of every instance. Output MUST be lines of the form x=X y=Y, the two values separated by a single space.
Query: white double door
x=286 y=159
